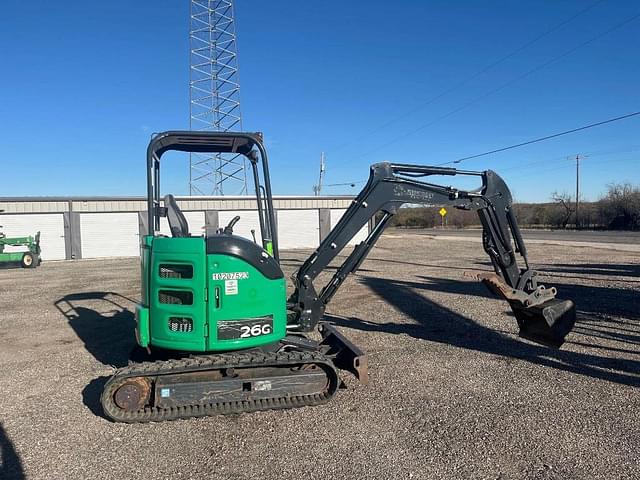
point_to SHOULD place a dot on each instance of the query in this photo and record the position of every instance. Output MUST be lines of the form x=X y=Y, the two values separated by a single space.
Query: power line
x=477 y=74
x=557 y=163
x=627 y=149
x=606 y=161
x=542 y=139
x=564 y=158
x=570 y=164
x=504 y=85
x=525 y=166
x=350 y=184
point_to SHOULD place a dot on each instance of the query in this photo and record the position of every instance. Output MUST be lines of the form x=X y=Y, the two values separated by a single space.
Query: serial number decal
x=254 y=327
x=231 y=276
x=231 y=287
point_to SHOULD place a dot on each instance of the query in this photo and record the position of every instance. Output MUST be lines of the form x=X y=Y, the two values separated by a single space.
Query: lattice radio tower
x=214 y=96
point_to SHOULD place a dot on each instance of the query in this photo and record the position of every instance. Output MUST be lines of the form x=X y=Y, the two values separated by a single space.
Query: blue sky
x=84 y=83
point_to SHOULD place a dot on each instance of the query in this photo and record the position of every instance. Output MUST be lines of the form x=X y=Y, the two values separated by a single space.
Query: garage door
x=336 y=215
x=298 y=228
x=194 y=219
x=248 y=221
x=109 y=235
x=50 y=225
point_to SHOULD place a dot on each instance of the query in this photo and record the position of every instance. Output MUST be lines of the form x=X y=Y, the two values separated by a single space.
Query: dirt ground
x=454 y=393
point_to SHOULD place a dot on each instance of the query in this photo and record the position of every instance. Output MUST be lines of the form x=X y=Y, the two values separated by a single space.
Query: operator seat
x=177 y=221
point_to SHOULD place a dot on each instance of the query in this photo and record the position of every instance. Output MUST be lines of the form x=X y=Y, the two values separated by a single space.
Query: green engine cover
x=196 y=302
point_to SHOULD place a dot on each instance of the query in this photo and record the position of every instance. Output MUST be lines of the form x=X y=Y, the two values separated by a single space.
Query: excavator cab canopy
x=248 y=145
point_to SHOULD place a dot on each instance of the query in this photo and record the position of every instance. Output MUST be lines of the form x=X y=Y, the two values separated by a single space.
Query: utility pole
x=318 y=188
x=577 y=187
x=578 y=158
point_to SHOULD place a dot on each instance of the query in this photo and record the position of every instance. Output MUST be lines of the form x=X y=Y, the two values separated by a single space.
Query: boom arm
x=389 y=187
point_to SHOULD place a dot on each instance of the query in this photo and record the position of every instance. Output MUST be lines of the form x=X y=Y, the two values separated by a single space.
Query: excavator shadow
x=606 y=269
x=373 y=259
x=10 y=462
x=593 y=301
x=295 y=263
x=91 y=396
x=104 y=323
x=436 y=323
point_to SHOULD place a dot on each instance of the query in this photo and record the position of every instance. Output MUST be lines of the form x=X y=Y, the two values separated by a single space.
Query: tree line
x=618 y=209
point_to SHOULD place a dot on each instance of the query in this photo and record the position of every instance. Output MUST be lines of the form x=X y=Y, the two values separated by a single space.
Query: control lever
x=228 y=230
x=253 y=234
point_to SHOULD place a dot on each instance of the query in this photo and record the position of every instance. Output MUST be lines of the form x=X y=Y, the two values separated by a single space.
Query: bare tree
x=564 y=200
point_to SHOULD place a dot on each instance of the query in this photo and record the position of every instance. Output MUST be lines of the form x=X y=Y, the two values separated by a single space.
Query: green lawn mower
x=214 y=318
x=28 y=259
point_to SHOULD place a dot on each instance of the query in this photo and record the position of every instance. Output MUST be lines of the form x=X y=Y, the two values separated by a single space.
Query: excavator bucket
x=548 y=323
x=542 y=318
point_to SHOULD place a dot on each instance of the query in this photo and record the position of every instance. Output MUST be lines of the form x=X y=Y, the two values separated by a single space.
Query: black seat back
x=177 y=221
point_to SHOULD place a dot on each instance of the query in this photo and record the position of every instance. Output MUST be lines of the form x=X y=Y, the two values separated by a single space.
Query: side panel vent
x=176 y=271
x=180 y=324
x=175 y=297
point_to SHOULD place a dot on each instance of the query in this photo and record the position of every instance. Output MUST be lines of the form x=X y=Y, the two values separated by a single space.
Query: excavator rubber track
x=219 y=384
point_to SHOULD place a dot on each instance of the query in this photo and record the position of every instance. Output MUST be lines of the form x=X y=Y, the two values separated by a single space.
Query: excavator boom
x=541 y=317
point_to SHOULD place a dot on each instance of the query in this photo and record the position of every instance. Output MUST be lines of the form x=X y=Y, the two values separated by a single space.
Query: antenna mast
x=214 y=96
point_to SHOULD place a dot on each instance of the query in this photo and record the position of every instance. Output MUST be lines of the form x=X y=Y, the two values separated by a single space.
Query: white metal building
x=76 y=227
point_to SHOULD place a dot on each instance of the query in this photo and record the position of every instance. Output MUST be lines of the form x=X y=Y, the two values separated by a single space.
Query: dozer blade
x=548 y=323
x=345 y=354
x=541 y=317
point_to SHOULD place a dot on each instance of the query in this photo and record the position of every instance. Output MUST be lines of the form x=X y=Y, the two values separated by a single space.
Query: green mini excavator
x=221 y=335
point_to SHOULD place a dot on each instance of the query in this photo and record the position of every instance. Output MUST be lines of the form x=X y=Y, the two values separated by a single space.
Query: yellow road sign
x=442 y=212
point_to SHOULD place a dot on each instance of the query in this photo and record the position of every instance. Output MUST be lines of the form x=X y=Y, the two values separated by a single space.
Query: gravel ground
x=454 y=392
